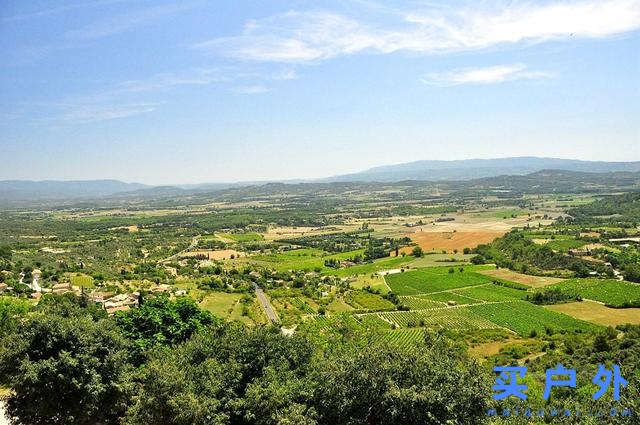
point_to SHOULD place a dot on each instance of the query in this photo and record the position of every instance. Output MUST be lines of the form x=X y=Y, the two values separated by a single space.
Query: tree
x=417 y=252
x=65 y=371
x=11 y=309
x=5 y=253
x=227 y=374
x=632 y=272
x=160 y=321
x=375 y=385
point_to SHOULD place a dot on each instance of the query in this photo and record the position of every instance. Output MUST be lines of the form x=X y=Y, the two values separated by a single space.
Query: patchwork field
x=219 y=254
x=373 y=267
x=429 y=240
x=612 y=292
x=523 y=318
x=533 y=281
x=492 y=292
x=365 y=300
x=445 y=297
x=418 y=303
x=81 y=280
x=301 y=259
x=448 y=318
x=230 y=306
x=435 y=260
x=434 y=279
x=598 y=313
x=241 y=237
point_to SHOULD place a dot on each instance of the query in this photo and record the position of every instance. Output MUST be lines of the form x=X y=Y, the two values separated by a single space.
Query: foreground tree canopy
x=66 y=365
x=169 y=362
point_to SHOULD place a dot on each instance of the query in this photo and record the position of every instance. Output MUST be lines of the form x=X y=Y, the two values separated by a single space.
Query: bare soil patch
x=598 y=313
x=449 y=241
x=487 y=349
x=220 y=254
x=525 y=279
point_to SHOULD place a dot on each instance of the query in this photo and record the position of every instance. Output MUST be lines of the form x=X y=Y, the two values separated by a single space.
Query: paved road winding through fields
x=265 y=304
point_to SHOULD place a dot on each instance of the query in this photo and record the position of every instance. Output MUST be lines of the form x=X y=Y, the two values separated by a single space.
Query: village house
x=121 y=302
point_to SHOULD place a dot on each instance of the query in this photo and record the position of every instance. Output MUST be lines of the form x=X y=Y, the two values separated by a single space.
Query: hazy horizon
x=295 y=179
x=170 y=92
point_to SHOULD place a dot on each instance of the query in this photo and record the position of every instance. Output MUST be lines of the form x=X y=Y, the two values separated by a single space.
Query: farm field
x=373 y=267
x=403 y=337
x=533 y=281
x=612 y=292
x=218 y=254
x=365 y=300
x=416 y=303
x=445 y=297
x=435 y=240
x=300 y=259
x=447 y=318
x=597 y=313
x=339 y=306
x=435 y=279
x=435 y=260
x=228 y=306
x=375 y=281
x=523 y=318
x=81 y=280
x=241 y=237
x=492 y=292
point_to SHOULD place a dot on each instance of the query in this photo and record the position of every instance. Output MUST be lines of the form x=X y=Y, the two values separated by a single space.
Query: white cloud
x=95 y=113
x=485 y=75
x=251 y=89
x=286 y=75
x=197 y=77
x=129 y=21
x=313 y=36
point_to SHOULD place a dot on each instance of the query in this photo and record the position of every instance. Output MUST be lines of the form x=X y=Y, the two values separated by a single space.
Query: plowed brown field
x=451 y=240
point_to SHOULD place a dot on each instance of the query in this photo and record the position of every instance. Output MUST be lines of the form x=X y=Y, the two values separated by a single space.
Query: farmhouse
x=121 y=302
x=101 y=297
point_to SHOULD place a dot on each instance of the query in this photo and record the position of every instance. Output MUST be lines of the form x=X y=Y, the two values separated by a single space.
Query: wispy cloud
x=129 y=21
x=60 y=9
x=290 y=74
x=484 y=75
x=94 y=113
x=257 y=89
x=197 y=77
x=314 y=36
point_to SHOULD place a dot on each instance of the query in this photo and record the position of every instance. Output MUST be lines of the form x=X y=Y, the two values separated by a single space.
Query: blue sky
x=201 y=91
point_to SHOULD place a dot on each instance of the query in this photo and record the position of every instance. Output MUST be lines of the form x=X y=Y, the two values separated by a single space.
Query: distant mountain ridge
x=425 y=170
x=64 y=189
x=468 y=169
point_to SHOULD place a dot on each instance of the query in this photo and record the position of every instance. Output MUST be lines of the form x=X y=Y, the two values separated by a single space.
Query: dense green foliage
x=552 y=296
x=65 y=370
x=159 y=321
x=516 y=252
x=620 y=210
x=70 y=366
x=11 y=309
